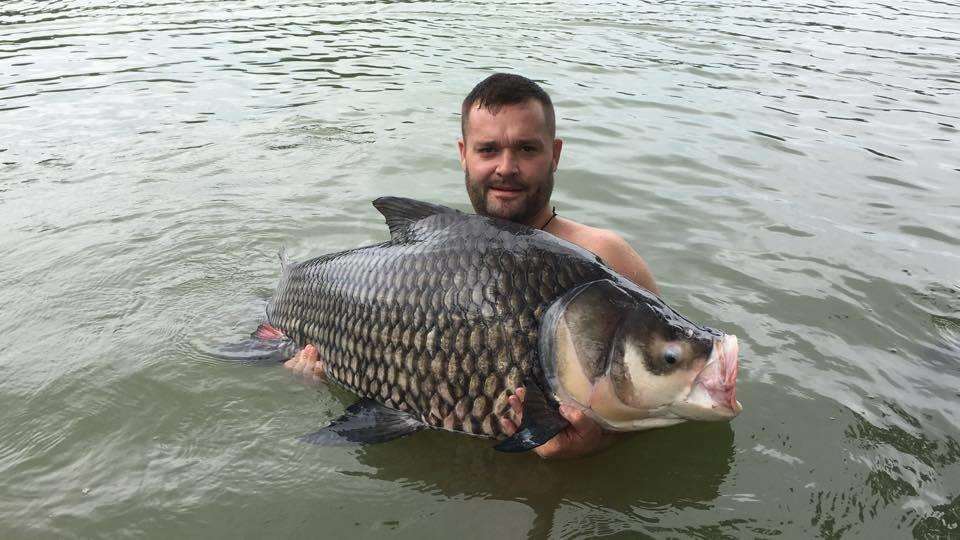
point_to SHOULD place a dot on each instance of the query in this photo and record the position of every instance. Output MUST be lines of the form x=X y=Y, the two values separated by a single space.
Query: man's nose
x=507 y=166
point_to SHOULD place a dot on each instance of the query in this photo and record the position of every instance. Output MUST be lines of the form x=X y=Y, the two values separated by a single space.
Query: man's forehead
x=524 y=119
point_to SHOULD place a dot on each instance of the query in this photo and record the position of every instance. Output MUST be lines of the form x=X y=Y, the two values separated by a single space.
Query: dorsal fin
x=401 y=212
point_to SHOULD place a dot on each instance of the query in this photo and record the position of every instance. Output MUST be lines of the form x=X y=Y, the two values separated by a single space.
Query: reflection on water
x=787 y=169
x=676 y=469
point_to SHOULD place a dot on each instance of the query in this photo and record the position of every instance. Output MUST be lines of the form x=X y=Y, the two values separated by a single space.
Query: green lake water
x=789 y=170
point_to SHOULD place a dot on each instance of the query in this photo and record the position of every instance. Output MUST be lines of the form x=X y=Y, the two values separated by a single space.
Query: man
x=509 y=152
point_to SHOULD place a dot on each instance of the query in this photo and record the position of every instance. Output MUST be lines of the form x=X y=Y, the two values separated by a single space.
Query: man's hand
x=306 y=363
x=582 y=437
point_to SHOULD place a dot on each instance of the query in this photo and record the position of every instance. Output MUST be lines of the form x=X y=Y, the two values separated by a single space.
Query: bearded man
x=509 y=152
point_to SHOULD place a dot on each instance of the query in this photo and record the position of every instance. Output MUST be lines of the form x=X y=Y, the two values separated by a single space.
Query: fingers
x=514 y=415
x=313 y=364
x=580 y=422
x=516 y=406
x=508 y=427
x=515 y=411
x=307 y=363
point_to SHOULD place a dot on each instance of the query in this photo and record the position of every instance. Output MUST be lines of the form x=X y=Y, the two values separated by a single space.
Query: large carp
x=437 y=326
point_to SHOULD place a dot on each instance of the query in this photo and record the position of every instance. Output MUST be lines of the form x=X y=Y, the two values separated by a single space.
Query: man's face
x=508 y=160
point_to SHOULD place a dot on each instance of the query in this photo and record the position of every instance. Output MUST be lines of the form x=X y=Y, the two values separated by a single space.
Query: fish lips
x=713 y=394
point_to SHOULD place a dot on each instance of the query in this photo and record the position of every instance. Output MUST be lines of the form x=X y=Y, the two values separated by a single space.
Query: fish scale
x=441 y=321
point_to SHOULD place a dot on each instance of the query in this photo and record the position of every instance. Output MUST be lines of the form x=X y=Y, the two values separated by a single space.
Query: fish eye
x=671 y=355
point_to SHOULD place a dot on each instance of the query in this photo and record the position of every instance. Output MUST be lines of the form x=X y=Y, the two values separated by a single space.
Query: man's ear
x=557 y=147
x=462 y=147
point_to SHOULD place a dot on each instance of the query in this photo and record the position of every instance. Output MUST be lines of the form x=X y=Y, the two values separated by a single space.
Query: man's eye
x=529 y=149
x=485 y=149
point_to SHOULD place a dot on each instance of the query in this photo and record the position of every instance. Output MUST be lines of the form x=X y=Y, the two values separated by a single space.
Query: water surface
x=789 y=171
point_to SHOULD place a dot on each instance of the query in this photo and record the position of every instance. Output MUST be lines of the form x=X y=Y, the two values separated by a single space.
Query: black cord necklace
x=544 y=226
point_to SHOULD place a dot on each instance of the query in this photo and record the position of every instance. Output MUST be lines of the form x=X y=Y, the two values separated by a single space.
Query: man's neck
x=541 y=218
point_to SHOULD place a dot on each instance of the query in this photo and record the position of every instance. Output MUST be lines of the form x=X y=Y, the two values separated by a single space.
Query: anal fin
x=541 y=421
x=366 y=421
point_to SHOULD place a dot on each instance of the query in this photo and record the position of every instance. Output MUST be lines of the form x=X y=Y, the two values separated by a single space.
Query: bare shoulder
x=612 y=248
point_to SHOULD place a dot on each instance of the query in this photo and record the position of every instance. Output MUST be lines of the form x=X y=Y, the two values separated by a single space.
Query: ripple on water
x=787 y=170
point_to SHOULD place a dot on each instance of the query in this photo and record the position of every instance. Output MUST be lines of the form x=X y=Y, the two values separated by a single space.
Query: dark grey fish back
x=440 y=321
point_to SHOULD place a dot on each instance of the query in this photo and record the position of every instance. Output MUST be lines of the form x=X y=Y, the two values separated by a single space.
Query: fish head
x=631 y=362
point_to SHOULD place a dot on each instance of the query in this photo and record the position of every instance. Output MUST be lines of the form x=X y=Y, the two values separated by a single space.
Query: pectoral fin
x=366 y=421
x=541 y=421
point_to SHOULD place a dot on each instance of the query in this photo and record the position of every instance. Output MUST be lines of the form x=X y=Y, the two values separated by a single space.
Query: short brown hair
x=502 y=89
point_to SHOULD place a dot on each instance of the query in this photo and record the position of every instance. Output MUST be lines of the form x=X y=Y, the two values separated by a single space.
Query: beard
x=521 y=210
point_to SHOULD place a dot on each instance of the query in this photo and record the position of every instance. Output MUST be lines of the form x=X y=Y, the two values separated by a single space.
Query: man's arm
x=617 y=253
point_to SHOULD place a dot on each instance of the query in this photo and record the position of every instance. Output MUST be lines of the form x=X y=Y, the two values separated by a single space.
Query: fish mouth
x=713 y=394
